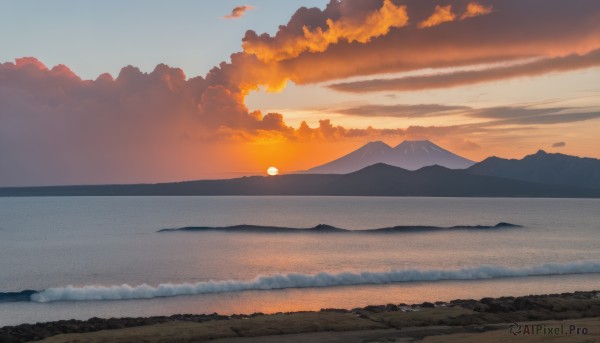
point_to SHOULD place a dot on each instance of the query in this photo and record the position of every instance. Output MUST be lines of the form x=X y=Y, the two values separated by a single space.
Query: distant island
x=323 y=228
x=540 y=175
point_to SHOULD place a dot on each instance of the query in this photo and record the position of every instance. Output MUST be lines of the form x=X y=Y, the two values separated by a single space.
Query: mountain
x=542 y=167
x=376 y=180
x=410 y=155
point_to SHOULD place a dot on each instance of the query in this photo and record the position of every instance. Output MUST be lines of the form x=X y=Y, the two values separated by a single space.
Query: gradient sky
x=480 y=78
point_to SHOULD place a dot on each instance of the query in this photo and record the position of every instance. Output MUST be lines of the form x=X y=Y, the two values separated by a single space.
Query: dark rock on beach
x=38 y=331
x=465 y=315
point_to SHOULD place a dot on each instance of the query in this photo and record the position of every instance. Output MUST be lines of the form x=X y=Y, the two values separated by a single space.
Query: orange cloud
x=474 y=10
x=461 y=78
x=238 y=12
x=441 y=14
x=137 y=127
x=30 y=62
x=511 y=32
x=350 y=29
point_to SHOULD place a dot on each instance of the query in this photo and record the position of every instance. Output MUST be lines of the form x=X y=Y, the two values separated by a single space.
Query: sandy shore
x=567 y=317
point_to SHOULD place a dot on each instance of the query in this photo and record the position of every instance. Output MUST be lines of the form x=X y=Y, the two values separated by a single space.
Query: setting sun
x=272 y=171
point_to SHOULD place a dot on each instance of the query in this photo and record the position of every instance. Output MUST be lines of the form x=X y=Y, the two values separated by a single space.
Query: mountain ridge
x=543 y=167
x=375 y=180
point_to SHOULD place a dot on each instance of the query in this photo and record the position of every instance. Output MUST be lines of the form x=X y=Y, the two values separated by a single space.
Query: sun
x=272 y=171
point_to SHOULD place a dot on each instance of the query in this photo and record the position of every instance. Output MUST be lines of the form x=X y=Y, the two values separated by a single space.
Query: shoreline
x=433 y=319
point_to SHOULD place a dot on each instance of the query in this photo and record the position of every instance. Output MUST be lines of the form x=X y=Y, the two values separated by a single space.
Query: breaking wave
x=299 y=280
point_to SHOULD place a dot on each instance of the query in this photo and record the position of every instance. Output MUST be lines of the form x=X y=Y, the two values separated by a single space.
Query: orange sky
x=479 y=78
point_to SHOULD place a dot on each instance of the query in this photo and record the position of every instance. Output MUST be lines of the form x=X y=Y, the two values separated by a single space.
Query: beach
x=566 y=317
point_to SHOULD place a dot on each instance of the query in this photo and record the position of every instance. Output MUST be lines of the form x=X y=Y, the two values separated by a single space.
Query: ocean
x=103 y=257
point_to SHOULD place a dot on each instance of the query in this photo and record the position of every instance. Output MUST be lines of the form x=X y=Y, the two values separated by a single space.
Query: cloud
x=58 y=128
x=238 y=12
x=527 y=115
x=532 y=116
x=444 y=14
x=474 y=10
x=495 y=116
x=559 y=144
x=30 y=62
x=544 y=29
x=291 y=41
x=441 y=14
x=500 y=115
x=552 y=118
x=506 y=112
x=401 y=110
x=461 y=78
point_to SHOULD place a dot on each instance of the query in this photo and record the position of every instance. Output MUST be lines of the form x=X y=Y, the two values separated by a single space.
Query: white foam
x=299 y=280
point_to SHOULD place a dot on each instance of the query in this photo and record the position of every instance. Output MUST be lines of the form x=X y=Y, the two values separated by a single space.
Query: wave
x=300 y=280
x=16 y=296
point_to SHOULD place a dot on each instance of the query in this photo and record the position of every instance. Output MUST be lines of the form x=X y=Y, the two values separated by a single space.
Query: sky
x=154 y=91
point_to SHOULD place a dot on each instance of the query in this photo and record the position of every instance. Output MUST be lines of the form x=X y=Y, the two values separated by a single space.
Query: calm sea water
x=50 y=243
